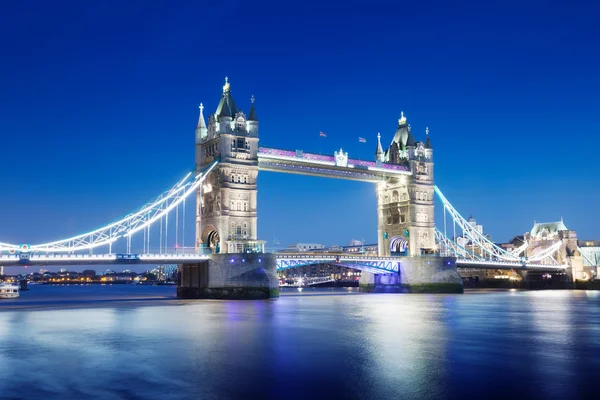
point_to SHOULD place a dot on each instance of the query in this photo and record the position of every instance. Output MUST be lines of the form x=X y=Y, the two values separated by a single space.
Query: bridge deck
x=288 y=260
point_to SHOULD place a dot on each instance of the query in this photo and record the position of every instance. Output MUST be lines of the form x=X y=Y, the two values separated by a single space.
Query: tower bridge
x=228 y=252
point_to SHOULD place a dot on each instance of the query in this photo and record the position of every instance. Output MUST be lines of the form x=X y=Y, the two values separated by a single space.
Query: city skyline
x=108 y=125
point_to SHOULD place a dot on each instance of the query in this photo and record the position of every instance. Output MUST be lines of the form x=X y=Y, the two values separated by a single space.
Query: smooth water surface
x=127 y=342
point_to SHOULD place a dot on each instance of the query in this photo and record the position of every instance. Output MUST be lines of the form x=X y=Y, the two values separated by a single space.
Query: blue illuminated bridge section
x=392 y=264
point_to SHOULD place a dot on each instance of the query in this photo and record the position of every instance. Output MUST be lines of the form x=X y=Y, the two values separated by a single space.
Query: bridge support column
x=416 y=275
x=230 y=276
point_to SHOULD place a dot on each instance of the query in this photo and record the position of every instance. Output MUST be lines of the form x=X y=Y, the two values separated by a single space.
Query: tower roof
x=252 y=114
x=226 y=107
x=550 y=227
x=402 y=132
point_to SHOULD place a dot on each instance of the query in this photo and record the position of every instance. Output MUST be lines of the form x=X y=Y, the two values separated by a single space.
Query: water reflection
x=534 y=344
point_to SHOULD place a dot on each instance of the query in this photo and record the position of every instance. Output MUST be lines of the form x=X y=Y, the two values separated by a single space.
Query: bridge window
x=425 y=196
x=403 y=218
x=238 y=230
x=245 y=206
x=241 y=143
x=245 y=229
x=232 y=230
x=395 y=219
x=404 y=196
x=232 y=177
x=245 y=179
x=386 y=199
x=389 y=220
x=395 y=196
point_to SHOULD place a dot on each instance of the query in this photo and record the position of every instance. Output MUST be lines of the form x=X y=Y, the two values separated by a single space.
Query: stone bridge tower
x=405 y=205
x=226 y=218
x=545 y=234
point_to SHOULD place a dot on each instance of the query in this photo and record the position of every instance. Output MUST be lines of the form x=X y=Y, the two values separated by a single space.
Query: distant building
x=302 y=247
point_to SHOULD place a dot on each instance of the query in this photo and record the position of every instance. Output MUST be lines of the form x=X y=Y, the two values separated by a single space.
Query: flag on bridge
x=362 y=140
x=322 y=134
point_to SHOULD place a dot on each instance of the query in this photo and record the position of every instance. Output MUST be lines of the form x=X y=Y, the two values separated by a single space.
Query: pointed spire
x=201 y=130
x=226 y=107
x=226 y=85
x=410 y=139
x=402 y=120
x=379 y=150
x=427 y=140
x=252 y=114
x=201 y=123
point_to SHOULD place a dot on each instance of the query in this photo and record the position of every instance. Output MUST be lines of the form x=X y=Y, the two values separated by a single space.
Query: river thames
x=135 y=342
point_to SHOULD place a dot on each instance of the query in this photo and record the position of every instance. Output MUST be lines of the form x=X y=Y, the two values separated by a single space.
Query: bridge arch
x=398 y=245
x=210 y=238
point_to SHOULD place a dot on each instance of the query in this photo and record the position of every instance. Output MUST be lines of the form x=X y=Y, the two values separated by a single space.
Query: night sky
x=99 y=102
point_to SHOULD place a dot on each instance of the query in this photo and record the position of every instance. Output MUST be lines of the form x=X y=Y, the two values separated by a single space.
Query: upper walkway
x=336 y=166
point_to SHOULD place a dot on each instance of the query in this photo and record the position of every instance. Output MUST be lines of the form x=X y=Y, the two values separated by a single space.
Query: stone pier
x=416 y=275
x=230 y=276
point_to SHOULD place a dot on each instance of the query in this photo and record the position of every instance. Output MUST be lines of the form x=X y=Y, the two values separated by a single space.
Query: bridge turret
x=252 y=122
x=201 y=129
x=427 y=139
x=379 y=155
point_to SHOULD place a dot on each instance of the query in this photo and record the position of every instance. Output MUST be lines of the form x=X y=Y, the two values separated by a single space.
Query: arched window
x=395 y=196
x=245 y=178
x=245 y=206
x=245 y=232
x=404 y=196
x=238 y=230
x=386 y=199
x=232 y=231
x=425 y=196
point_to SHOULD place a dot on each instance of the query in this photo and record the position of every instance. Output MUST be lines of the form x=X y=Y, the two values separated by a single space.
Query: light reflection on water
x=305 y=345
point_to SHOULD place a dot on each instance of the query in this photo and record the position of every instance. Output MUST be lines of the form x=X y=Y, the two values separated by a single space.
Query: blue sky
x=99 y=101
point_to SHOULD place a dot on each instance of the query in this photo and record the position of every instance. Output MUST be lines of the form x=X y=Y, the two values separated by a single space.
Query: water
x=126 y=342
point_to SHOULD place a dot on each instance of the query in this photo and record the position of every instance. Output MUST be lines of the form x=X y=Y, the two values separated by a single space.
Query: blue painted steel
x=379 y=265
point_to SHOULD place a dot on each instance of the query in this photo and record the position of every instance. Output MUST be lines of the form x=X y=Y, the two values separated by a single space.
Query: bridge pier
x=535 y=280
x=416 y=275
x=229 y=276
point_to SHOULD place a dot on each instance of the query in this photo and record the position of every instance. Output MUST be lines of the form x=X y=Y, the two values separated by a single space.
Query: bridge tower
x=546 y=234
x=226 y=219
x=405 y=205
